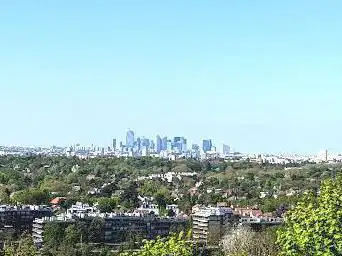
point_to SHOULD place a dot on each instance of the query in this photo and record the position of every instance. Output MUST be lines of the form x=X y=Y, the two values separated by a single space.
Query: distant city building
x=130 y=139
x=323 y=156
x=159 y=142
x=152 y=146
x=184 y=145
x=164 y=143
x=138 y=142
x=114 y=144
x=179 y=144
x=145 y=143
x=207 y=144
x=225 y=149
x=169 y=145
x=195 y=147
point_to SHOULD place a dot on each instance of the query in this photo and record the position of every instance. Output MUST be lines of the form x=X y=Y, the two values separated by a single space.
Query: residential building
x=209 y=224
x=117 y=228
x=80 y=208
x=18 y=219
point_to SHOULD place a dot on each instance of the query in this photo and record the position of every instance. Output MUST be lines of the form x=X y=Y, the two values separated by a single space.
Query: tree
x=71 y=235
x=85 y=250
x=243 y=242
x=53 y=236
x=9 y=250
x=105 y=251
x=25 y=247
x=129 y=198
x=95 y=230
x=31 y=196
x=173 y=245
x=107 y=204
x=4 y=195
x=314 y=226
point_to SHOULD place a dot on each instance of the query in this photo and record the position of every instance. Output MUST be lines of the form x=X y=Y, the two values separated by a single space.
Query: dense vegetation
x=35 y=180
x=314 y=227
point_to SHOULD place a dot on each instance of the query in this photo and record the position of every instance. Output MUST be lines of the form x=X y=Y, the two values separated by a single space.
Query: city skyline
x=261 y=76
x=122 y=138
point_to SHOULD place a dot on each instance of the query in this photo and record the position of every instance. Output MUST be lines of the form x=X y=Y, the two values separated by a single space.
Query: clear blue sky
x=259 y=75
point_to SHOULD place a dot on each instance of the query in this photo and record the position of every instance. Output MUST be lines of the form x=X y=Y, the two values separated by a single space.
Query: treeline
x=113 y=184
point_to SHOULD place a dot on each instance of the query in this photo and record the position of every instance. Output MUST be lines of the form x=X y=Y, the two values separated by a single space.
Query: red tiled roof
x=57 y=200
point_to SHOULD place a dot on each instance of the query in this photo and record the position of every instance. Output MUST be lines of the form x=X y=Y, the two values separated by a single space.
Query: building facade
x=130 y=139
x=210 y=224
x=18 y=219
x=207 y=144
x=116 y=229
x=159 y=143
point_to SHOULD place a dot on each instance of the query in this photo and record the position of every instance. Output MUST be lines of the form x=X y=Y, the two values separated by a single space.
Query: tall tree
x=95 y=230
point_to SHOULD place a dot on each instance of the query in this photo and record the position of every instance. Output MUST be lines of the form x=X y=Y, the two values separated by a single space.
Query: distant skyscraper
x=207 y=144
x=225 y=149
x=164 y=143
x=184 y=145
x=152 y=145
x=179 y=143
x=159 y=143
x=177 y=139
x=114 y=144
x=130 y=139
x=169 y=145
x=138 y=143
x=145 y=143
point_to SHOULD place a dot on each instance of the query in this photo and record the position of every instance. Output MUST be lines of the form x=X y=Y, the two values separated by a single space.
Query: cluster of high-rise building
x=142 y=146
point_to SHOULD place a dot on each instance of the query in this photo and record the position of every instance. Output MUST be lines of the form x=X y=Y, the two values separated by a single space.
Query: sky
x=261 y=76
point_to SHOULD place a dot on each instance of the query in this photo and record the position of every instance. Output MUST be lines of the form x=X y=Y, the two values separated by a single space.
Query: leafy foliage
x=37 y=179
x=25 y=247
x=314 y=226
x=175 y=245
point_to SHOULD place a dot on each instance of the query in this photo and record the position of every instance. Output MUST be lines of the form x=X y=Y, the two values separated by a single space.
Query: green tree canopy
x=314 y=226
x=31 y=196
x=25 y=247
x=174 y=245
x=107 y=204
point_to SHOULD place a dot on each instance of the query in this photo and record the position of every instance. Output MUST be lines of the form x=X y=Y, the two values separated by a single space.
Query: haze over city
x=258 y=76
